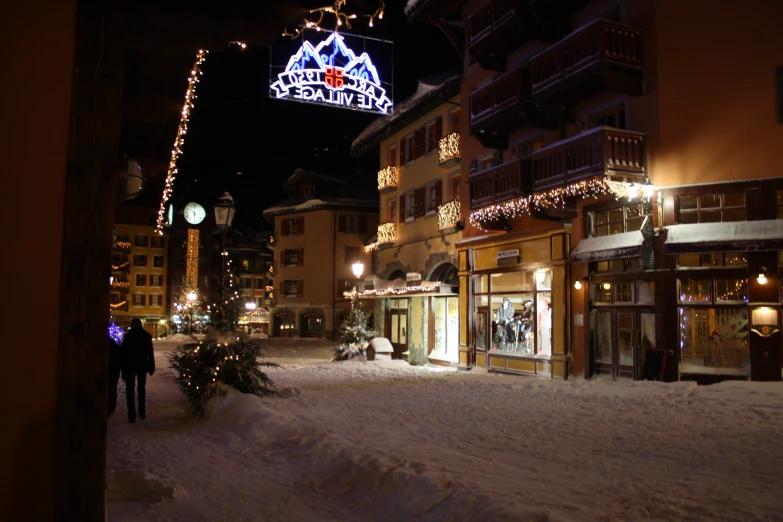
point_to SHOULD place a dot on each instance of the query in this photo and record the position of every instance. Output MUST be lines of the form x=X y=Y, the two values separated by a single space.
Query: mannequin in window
x=504 y=318
x=544 y=326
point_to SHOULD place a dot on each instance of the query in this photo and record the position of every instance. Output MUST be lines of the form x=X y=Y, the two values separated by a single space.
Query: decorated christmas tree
x=222 y=360
x=355 y=333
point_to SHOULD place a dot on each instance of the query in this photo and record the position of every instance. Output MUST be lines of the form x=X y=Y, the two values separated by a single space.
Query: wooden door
x=397 y=326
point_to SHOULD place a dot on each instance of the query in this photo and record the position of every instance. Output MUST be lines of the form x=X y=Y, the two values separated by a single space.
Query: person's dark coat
x=115 y=360
x=137 y=355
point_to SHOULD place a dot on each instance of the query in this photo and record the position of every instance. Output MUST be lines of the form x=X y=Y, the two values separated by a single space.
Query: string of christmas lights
x=124 y=245
x=114 y=306
x=448 y=214
x=433 y=287
x=387 y=177
x=120 y=266
x=341 y=18
x=179 y=140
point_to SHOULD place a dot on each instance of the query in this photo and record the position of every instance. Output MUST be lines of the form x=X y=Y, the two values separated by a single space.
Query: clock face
x=194 y=213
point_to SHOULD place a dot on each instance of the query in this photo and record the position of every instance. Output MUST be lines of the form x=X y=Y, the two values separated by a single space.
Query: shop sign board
x=508 y=257
x=413 y=278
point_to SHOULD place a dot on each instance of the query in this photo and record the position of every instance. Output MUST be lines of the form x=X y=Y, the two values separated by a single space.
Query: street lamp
x=358 y=269
x=191 y=297
x=250 y=306
x=224 y=215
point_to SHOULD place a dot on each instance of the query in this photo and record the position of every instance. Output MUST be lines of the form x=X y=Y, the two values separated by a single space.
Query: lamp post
x=250 y=306
x=224 y=215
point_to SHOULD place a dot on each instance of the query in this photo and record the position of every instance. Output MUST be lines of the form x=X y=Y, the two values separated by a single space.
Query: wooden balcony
x=497 y=29
x=387 y=233
x=502 y=106
x=387 y=179
x=600 y=151
x=500 y=183
x=449 y=150
x=600 y=55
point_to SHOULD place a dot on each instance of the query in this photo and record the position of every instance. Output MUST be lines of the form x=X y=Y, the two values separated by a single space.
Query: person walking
x=137 y=361
x=115 y=365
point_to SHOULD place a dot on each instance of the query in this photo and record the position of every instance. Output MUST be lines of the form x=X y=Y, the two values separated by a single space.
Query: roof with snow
x=740 y=236
x=431 y=92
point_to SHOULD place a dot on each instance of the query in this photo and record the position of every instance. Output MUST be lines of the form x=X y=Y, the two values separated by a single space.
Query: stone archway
x=446 y=273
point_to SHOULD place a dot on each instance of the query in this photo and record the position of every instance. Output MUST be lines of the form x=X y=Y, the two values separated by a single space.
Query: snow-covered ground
x=386 y=441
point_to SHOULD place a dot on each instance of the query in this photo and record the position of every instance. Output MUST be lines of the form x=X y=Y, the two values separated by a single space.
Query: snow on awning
x=400 y=288
x=735 y=236
x=627 y=244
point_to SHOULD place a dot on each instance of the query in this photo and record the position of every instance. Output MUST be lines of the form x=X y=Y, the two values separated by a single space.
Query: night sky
x=236 y=128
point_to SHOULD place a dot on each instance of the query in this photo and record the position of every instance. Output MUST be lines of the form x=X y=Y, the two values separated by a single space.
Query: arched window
x=312 y=325
x=397 y=274
x=446 y=273
x=284 y=325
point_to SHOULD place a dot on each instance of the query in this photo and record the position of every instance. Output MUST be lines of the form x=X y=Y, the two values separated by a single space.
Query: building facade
x=623 y=202
x=413 y=281
x=319 y=233
x=138 y=271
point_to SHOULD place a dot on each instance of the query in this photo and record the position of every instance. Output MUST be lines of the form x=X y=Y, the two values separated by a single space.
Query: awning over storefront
x=735 y=236
x=628 y=244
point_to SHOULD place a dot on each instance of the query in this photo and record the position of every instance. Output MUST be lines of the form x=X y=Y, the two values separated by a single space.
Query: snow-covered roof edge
x=318 y=204
x=426 y=98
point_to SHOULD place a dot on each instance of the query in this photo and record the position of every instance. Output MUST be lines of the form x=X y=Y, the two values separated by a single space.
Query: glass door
x=619 y=337
x=397 y=326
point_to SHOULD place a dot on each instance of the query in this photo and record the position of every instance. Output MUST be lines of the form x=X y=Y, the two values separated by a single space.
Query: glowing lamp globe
x=224 y=210
x=358 y=269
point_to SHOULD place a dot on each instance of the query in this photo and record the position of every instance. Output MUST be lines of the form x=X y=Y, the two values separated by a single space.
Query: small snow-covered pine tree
x=355 y=333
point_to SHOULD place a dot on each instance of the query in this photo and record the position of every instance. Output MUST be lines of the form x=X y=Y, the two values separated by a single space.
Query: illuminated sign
x=330 y=73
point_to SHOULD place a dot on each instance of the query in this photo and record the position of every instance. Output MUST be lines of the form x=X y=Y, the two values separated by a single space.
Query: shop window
x=645 y=292
x=512 y=282
x=481 y=284
x=312 y=325
x=157 y=261
x=711 y=208
x=140 y=241
x=141 y=280
x=284 y=324
x=714 y=338
x=623 y=293
x=727 y=259
x=731 y=290
x=602 y=293
x=631 y=292
x=694 y=290
x=158 y=242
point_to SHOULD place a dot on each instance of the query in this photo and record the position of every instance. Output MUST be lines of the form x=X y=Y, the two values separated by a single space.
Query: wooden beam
x=82 y=368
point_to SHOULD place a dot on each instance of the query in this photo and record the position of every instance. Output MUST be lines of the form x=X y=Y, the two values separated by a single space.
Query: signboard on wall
x=508 y=257
x=335 y=69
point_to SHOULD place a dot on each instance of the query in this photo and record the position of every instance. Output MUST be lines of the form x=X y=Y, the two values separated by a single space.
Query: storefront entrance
x=397 y=326
x=621 y=338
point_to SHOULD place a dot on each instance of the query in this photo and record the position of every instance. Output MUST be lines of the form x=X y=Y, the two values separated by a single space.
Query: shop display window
x=714 y=338
x=694 y=290
x=731 y=290
x=514 y=312
x=728 y=259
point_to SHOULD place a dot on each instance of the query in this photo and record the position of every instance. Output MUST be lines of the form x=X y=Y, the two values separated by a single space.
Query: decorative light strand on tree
x=179 y=140
x=341 y=18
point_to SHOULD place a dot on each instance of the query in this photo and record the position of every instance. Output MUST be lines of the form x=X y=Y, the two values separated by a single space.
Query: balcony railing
x=123 y=266
x=122 y=245
x=602 y=52
x=603 y=150
x=497 y=28
x=449 y=214
x=449 y=152
x=499 y=105
x=387 y=178
x=500 y=183
x=387 y=233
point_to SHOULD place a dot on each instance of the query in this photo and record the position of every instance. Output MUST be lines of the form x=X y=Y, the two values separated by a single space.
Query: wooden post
x=90 y=192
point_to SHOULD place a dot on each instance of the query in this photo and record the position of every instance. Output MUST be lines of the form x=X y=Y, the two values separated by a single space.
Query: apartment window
x=711 y=208
x=434 y=131
x=486 y=163
x=613 y=117
x=156 y=300
x=117 y=258
x=158 y=242
x=141 y=280
x=179 y=280
x=455 y=187
x=392 y=210
x=293 y=287
x=528 y=148
x=202 y=262
x=156 y=280
x=139 y=299
x=114 y=297
x=352 y=223
x=140 y=240
x=455 y=120
x=351 y=255
x=391 y=155
x=410 y=203
x=246 y=283
x=258 y=265
x=245 y=264
x=293 y=227
x=780 y=204
x=433 y=196
x=139 y=260
x=346 y=285
x=203 y=280
x=157 y=261
x=293 y=256
x=618 y=219
x=259 y=283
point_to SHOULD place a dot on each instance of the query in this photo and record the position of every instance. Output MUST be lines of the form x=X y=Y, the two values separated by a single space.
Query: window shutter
x=340 y=287
x=402 y=208
x=418 y=202
x=362 y=224
x=438 y=131
x=438 y=193
x=281 y=292
x=282 y=258
x=418 y=143
x=300 y=257
x=285 y=227
x=300 y=222
x=300 y=287
x=341 y=220
x=402 y=151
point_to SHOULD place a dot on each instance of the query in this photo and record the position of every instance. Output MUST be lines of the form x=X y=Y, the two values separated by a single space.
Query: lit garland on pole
x=179 y=140
x=191 y=268
x=340 y=18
